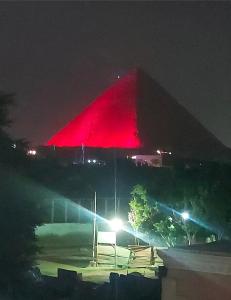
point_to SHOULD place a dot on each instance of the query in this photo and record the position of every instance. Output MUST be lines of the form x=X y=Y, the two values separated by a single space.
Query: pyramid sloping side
x=136 y=112
x=108 y=122
x=165 y=124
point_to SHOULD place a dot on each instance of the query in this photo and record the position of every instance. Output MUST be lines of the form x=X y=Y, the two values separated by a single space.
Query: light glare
x=31 y=152
x=116 y=224
x=185 y=215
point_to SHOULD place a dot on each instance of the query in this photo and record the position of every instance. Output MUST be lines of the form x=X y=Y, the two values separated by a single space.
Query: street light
x=116 y=225
x=94 y=248
x=185 y=215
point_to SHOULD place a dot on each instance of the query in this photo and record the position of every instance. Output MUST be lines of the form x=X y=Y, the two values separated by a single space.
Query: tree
x=146 y=215
x=139 y=207
x=19 y=206
x=19 y=215
x=11 y=151
x=139 y=214
x=205 y=193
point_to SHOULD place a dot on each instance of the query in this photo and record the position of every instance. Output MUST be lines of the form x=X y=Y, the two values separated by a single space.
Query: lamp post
x=115 y=182
x=94 y=248
x=186 y=216
x=116 y=225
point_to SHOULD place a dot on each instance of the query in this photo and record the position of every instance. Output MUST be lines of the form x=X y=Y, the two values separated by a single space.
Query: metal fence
x=81 y=210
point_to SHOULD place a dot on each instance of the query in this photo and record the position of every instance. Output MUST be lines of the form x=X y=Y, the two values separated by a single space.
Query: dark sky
x=57 y=56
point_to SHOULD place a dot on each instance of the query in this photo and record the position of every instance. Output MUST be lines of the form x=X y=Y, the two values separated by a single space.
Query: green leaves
x=203 y=192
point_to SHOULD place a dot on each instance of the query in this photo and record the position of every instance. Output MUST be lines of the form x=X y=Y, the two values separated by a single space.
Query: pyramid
x=110 y=121
x=137 y=113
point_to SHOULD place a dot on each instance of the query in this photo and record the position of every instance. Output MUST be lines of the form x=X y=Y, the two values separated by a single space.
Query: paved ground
x=106 y=255
x=78 y=259
x=93 y=274
x=81 y=256
x=69 y=246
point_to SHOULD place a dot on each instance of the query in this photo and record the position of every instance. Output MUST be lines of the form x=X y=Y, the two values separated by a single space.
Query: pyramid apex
x=140 y=73
x=137 y=69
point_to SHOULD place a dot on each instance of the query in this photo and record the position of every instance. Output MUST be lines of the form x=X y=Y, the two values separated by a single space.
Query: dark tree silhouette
x=19 y=210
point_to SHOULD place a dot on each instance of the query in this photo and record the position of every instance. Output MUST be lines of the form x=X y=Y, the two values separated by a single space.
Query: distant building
x=148 y=160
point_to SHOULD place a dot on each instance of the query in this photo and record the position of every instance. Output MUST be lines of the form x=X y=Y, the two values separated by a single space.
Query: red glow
x=110 y=121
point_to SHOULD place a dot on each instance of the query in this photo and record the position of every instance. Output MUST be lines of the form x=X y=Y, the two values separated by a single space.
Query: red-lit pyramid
x=136 y=112
x=110 y=121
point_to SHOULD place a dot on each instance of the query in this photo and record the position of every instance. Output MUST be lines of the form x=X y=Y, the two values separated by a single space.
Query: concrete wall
x=190 y=285
x=64 y=235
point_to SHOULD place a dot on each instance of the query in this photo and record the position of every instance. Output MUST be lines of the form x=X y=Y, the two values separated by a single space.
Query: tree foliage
x=19 y=215
x=203 y=192
x=19 y=210
x=12 y=151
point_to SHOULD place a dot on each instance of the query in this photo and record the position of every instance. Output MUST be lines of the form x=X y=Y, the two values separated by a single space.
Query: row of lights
x=31 y=152
x=90 y=161
x=163 y=152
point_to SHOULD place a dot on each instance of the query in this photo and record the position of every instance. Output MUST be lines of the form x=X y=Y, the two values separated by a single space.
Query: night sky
x=57 y=57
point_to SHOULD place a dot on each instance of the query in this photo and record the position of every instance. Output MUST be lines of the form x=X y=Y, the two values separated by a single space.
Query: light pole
x=186 y=216
x=116 y=225
x=115 y=182
x=94 y=249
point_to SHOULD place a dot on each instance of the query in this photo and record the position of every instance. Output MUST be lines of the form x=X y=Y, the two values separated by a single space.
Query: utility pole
x=83 y=154
x=65 y=211
x=115 y=250
x=79 y=211
x=52 y=210
x=94 y=248
x=115 y=182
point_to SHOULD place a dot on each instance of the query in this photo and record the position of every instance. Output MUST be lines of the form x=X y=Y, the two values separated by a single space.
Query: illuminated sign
x=106 y=237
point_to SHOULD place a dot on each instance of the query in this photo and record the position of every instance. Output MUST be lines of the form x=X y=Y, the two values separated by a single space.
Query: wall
x=190 y=285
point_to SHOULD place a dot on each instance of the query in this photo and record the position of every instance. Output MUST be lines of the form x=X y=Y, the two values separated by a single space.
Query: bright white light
x=170 y=153
x=94 y=161
x=158 y=151
x=134 y=157
x=185 y=215
x=31 y=152
x=14 y=146
x=88 y=160
x=116 y=224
